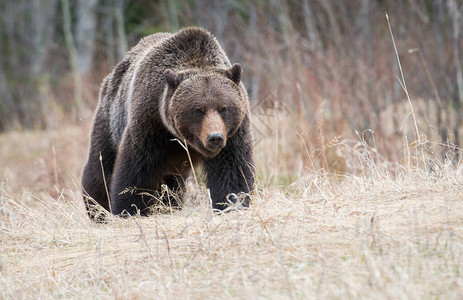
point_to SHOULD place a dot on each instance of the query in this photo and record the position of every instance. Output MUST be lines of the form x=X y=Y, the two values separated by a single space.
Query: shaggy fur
x=169 y=86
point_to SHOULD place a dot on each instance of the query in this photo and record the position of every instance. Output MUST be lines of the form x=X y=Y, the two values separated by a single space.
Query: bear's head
x=204 y=107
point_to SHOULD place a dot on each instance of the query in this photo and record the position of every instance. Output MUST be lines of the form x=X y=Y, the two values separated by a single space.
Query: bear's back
x=193 y=48
x=148 y=42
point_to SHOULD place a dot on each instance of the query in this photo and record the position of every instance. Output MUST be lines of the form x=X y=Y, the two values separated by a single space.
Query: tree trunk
x=85 y=34
x=69 y=39
x=454 y=11
x=122 y=37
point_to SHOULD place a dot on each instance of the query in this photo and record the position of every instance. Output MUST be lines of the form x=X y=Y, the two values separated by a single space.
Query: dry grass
x=389 y=232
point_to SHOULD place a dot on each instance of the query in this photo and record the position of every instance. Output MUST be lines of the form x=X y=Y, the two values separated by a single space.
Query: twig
x=185 y=146
x=404 y=86
x=105 y=185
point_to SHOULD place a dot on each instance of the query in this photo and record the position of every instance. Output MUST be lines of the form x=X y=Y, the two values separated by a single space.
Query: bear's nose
x=215 y=140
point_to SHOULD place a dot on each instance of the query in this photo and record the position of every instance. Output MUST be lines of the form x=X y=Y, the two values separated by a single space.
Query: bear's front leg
x=232 y=170
x=137 y=173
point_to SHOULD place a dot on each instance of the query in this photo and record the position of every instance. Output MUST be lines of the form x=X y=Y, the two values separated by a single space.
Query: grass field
x=383 y=230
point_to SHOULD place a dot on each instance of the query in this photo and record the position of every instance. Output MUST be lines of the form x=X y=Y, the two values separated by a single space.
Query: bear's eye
x=223 y=110
x=199 y=112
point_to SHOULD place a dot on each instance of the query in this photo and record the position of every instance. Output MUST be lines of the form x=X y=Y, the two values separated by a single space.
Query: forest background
x=331 y=65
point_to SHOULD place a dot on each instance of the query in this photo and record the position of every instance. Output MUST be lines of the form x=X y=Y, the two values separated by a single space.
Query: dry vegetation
x=391 y=231
x=353 y=200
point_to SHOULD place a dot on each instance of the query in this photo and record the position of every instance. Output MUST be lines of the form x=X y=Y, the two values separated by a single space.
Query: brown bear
x=170 y=88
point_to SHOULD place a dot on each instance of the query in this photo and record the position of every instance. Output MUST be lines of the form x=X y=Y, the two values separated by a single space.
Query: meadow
x=379 y=230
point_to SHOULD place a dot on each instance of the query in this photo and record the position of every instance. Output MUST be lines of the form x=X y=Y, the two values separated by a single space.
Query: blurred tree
x=85 y=34
x=26 y=36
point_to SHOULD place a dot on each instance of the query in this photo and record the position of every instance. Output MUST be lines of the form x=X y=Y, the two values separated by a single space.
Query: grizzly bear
x=170 y=88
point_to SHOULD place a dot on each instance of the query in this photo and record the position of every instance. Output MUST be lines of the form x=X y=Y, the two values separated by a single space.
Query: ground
x=380 y=234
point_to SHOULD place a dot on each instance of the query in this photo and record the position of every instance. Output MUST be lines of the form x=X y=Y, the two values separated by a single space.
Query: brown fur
x=170 y=86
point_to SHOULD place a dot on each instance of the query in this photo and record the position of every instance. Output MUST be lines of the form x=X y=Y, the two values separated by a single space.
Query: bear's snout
x=215 y=141
x=213 y=132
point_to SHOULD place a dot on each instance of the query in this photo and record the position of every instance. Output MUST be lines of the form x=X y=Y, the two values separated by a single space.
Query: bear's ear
x=173 y=79
x=234 y=73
